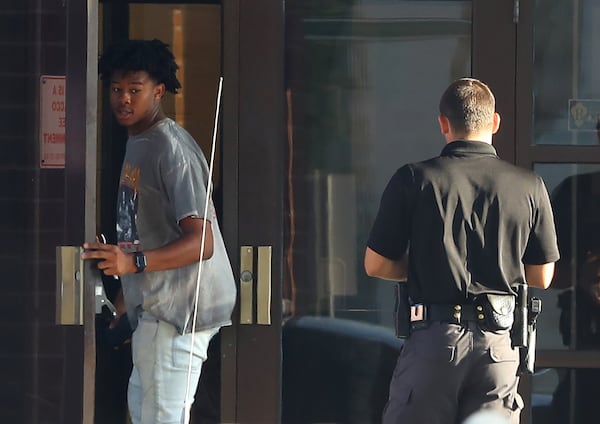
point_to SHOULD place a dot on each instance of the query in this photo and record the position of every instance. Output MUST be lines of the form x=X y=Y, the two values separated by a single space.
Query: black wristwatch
x=140 y=261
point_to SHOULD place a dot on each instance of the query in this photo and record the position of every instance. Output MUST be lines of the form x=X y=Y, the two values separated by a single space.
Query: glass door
x=559 y=136
x=363 y=80
x=326 y=100
x=193 y=31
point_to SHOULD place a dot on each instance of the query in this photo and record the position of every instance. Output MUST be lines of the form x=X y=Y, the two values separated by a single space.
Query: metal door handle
x=262 y=279
x=263 y=286
x=69 y=285
x=246 y=283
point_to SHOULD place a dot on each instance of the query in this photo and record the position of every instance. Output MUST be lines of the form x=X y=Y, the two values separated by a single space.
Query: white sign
x=52 y=121
x=584 y=115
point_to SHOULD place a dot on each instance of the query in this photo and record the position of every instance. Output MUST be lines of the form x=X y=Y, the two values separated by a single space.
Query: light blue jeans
x=161 y=356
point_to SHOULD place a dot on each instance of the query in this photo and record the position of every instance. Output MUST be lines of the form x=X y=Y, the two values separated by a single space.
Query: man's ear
x=444 y=124
x=159 y=91
x=496 y=123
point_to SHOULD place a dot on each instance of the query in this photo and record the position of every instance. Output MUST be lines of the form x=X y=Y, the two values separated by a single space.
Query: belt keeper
x=457 y=313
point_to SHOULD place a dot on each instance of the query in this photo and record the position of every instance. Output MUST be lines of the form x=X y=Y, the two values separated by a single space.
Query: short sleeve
x=184 y=183
x=542 y=246
x=390 y=233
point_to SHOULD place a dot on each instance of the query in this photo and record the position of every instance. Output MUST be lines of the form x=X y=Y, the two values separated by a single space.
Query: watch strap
x=140 y=261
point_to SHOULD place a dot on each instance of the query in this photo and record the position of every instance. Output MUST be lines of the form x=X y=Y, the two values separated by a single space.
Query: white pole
x=188 y=405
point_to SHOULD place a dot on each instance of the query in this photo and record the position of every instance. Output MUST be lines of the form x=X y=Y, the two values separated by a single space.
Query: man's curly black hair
x=152 y=56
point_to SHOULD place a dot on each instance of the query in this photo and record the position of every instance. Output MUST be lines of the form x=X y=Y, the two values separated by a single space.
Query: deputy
x=463 y=229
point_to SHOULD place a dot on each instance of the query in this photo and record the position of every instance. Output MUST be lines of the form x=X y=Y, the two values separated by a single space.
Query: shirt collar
x=468 y=148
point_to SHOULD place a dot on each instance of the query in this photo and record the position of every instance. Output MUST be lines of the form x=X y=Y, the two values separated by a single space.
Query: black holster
x=401 y=310
x=518 y=334
x=524 y=331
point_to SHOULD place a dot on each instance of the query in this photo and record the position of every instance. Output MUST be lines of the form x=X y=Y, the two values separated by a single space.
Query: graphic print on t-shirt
x=127 y=207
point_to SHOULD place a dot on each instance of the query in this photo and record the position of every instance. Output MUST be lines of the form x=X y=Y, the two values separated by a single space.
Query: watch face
x=140 y=261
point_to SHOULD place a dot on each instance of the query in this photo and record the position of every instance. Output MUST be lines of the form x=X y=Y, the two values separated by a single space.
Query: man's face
x=135 y=99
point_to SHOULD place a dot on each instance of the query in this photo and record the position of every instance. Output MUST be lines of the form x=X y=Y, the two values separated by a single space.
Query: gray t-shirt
x=163 y=180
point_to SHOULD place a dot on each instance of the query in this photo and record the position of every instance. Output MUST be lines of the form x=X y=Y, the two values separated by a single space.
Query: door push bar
x=69 y=285
x=255 y=285
x=70 y=288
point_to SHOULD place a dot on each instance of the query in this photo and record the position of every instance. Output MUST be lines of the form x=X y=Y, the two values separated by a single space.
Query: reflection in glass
x=364 y=80
x=565 y=396
x=572 y=319
x=363 y=83
x=543 y=386
x=566 y=72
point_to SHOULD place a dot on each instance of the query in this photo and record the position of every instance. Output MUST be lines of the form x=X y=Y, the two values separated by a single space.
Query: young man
x=459 y=228
x=160 y=223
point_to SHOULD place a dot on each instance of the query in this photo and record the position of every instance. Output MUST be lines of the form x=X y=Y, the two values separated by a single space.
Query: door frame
x=253 y=130
x=80 y=189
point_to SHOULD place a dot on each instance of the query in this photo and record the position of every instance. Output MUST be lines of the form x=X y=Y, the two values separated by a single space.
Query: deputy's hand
x=111 y=259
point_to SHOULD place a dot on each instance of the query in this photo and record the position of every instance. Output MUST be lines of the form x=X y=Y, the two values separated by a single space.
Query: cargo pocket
x=503 y=353
x=514 y=403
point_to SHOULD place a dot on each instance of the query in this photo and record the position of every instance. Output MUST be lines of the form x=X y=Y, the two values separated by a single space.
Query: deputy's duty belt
x=450 y=313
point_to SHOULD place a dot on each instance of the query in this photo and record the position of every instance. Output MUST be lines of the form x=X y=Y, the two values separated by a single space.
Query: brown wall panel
x=34 y=363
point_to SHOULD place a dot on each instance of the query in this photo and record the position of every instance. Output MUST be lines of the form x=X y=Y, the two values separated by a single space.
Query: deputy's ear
x=444 y=124
x=496 y=123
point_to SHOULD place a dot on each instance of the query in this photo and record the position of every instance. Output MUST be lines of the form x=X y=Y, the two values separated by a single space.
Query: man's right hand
x=112 y=260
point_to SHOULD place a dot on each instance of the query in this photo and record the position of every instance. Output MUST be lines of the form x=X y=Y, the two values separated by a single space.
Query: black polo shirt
x=469 y=222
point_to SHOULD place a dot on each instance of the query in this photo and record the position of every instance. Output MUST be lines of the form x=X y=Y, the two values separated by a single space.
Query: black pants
x=446 y=372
